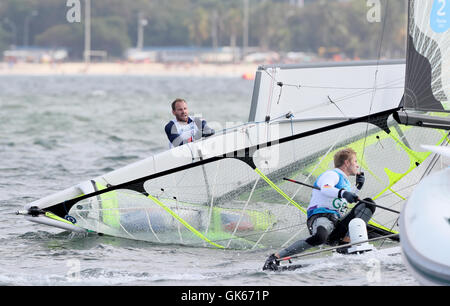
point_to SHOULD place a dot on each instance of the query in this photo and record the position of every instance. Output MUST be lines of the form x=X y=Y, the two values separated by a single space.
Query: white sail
x=328 y=90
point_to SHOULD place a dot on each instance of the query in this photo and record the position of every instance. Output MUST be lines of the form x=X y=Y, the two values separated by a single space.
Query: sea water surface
x=57 y=131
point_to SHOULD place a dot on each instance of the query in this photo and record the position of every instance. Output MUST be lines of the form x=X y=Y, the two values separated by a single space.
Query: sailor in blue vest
x=184 y=129
x=328 y=219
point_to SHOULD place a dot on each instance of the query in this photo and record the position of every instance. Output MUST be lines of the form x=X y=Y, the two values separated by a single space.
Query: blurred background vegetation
x=315 y=26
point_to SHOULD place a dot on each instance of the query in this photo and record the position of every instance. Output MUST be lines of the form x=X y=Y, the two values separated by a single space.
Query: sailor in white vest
x=328 y=219
x=184 y=129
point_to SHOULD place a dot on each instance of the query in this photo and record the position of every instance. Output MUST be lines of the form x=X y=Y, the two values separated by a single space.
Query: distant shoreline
x=125 y=68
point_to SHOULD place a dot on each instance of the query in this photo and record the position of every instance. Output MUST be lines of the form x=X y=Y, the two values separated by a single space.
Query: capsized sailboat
x=228 y=191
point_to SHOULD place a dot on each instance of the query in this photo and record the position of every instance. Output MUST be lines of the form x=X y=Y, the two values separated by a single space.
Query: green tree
x=199 y=26
x=4 y=38
x=233 y=24
x=110 y=34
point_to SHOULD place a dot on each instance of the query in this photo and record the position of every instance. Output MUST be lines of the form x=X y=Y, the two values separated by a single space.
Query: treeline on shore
x=324 y=26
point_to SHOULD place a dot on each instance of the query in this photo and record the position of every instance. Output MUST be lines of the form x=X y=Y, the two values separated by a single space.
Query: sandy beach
x=158 y=69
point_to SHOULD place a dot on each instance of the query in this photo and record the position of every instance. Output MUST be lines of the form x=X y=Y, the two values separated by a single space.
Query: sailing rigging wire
x=394 y=84
x=383 y=28
x=299 y=86
x=332 y=102
x=243 y=211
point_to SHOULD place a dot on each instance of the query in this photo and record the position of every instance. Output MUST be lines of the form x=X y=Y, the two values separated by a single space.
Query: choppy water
x=58 y=131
